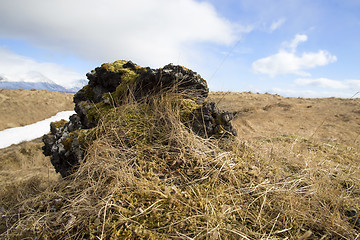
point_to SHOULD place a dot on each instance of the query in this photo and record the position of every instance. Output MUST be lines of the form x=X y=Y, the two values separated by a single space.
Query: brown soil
x=23 y=107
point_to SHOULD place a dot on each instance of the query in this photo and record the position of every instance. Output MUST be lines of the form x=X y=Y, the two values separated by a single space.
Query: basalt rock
x=208 y=121
x=122 y=76
x=110 y=86
x=63 y=145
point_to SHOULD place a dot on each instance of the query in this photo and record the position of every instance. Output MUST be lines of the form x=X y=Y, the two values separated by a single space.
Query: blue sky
x=298 y=48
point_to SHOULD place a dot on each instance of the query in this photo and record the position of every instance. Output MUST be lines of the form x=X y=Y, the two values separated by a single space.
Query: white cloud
x=321 y=82
x=353 y=84
x=329 y=83
x=310 y=93
x=299 y=38
x=14 y=67
x=148 y=32
x=277 y=24
x=286 y=61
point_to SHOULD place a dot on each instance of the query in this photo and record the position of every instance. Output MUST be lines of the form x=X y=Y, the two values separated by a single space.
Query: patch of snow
x=30 y=132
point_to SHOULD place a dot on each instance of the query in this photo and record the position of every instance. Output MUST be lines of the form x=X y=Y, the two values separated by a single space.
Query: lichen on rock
x=114 y=84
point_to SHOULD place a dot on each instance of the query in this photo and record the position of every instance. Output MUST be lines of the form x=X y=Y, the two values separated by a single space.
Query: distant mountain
x=40 y=81
x=78 y=85
x=41 y=86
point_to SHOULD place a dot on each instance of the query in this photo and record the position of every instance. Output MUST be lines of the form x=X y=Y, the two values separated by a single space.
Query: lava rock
x=63 y=146
x=208 y=121
x=172 y=78
x=112 y=82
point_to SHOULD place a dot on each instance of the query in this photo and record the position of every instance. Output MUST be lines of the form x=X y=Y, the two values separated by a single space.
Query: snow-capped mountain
x=32 y=85
x=36 y=80
x=79 y=84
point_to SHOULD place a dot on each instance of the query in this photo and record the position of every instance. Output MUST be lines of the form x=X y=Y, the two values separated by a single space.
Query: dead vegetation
x=146 y=176
x=328 y=120
x=23 y=107
x=24 y=173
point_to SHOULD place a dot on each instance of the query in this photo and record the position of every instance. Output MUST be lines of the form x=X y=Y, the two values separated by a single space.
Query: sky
x=294 y=48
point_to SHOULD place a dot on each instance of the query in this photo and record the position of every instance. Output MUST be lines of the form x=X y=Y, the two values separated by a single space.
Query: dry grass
x=328 y=120
x=146 y=176
x=24 y=173
x=23 y=107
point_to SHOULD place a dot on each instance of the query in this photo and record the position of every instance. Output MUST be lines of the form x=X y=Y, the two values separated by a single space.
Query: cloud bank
x=308 y=93
x=321 y=87
x=287 y=61
x=329 y=83
x=148 y=32
x=17 y=68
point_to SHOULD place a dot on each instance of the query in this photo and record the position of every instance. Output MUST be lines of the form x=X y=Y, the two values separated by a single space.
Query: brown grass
x=24 y=173
x=330 y=120
x=148 y=177
x=23 y=107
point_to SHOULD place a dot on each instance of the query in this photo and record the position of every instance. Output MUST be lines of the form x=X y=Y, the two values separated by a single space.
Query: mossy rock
x=124 y=93
x=54 y=126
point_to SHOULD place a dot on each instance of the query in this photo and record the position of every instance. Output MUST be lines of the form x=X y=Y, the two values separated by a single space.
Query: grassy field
x=329 y=120
x=291 y=173
x=23 y=107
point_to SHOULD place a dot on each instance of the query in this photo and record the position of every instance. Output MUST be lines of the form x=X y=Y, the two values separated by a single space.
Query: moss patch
x=58 y=124
x=96 y=111
x=128 y=79
x=187 y=107
x=68 y=143
x=116 y=66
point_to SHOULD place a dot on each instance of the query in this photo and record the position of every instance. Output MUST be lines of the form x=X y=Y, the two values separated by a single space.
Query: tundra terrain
x=23 y=107
x=291 y=173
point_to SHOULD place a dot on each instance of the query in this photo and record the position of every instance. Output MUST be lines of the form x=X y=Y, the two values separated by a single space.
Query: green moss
x=116 y=66
x=84 y=136
x=128 y=79
x=187 y=107
x=140 y=130
x=96 y=111
x=59 y=124
x=68 y=142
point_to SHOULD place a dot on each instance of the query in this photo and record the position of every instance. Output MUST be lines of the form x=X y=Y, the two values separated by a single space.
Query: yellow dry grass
x=24 y=173
x=329 y=120
x=23 y=107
